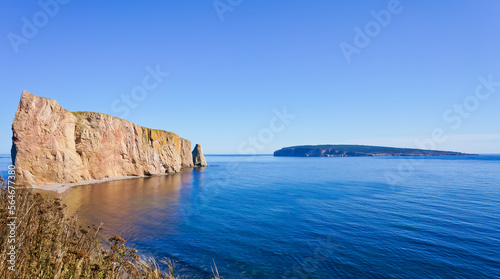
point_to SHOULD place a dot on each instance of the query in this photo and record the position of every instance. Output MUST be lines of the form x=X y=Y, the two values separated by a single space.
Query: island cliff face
x=54 y=146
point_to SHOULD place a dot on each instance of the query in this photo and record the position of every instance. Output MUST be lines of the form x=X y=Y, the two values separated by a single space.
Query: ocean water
x=279 y=217
x=5 y=162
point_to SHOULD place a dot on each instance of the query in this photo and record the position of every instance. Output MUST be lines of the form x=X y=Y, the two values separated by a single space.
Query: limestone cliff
x=53 y=145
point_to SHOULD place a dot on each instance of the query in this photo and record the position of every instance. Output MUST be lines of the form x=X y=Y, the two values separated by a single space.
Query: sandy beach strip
x=61 y=188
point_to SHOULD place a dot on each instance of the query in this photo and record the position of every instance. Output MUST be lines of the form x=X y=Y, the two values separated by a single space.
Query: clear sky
x=407 y=73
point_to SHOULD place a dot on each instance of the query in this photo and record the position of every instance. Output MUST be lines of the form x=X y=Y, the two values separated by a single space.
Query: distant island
x=358 y=151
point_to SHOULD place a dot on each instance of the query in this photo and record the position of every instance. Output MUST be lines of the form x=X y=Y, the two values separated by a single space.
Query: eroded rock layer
x=198 y=157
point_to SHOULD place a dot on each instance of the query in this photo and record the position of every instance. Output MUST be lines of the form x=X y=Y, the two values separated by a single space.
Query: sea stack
x=198 y=157
x=54 y=146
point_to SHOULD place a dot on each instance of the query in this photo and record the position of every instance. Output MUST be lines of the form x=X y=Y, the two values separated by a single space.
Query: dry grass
x=51 y=245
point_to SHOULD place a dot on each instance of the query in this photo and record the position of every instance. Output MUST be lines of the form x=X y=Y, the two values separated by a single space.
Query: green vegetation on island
x=330 y=150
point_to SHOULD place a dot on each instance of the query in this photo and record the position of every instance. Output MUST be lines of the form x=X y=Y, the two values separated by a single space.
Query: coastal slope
x=357 y=151
x=54 y=146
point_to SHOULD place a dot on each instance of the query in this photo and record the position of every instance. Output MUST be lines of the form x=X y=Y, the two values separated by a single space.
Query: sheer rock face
x=53 y=145
x=198 y=157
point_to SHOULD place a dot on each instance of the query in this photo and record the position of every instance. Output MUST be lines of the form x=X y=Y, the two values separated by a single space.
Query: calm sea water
x=277 y=217
x=5 y=161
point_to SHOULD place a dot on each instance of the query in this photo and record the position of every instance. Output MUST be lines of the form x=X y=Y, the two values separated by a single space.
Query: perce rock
x=54 y=146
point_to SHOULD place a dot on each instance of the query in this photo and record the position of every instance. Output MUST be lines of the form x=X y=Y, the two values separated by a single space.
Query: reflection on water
x=126 y=207
x=277 y=217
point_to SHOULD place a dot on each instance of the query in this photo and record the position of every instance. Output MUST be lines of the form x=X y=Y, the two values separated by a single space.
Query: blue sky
x=425 y=77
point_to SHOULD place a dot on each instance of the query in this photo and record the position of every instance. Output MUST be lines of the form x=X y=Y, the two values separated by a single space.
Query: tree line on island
x=331 y=150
